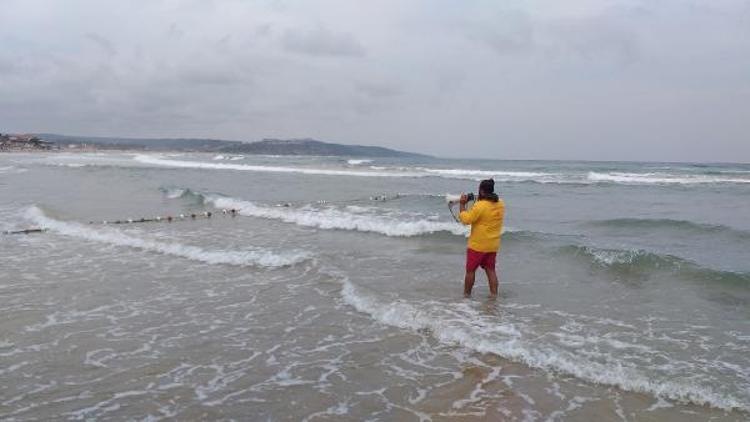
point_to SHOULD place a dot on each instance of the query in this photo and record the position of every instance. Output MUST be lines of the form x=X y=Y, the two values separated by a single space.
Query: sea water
x=335 y=290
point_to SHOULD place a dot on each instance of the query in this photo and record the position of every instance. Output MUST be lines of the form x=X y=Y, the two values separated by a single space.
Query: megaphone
x=454 y=198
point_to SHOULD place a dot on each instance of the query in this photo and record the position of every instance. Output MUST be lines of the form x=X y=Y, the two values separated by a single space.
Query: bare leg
x=468 y=283
x=492 y=280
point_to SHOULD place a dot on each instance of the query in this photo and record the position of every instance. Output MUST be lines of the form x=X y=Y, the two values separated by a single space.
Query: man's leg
x=492 y=280
x=468 y=283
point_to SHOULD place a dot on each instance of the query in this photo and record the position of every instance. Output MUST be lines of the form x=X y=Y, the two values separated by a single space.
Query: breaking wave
x=662 y=178
x=498 y=175
x=12 y=169
x=640 y=261
x=152 y=160
x=375 y=171
x=341 y=219
x=351 y=216
x=176 y=193
x=625 y=258
x=228 y=157
x=256 y=258
x=357 y=168
x=456 y=324
x=667 y=223
x=357 y=162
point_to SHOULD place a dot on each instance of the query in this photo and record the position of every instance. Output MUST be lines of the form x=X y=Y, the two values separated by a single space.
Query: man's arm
x=467 y=217
x=462 y=202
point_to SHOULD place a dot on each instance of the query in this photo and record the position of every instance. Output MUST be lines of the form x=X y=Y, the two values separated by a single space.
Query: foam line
x=147 y=159
x=256 y=258
x=661 y=178
x=357 y=162
x=505 y=340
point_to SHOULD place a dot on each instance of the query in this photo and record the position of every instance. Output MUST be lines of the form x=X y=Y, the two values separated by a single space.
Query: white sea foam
x=499 y=174
x=13 y=170
x=175 y=193
x=75 y=165
x=375 y=171
x=355 y=168
x=228 y=157
x=662 y=178
x=455 y=325
x=157 y=161
x=256 y=257
x=608 y=257
x=334 y=218
x=357 y=209
x=357 y=162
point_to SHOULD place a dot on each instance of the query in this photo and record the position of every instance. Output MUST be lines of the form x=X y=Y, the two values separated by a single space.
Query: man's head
x=486 y=187
x=487 y=190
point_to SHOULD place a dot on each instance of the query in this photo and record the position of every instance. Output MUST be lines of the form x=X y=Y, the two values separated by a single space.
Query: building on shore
x=23 y=142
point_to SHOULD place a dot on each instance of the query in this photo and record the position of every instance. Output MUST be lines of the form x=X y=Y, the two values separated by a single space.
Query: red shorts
x=475 y=259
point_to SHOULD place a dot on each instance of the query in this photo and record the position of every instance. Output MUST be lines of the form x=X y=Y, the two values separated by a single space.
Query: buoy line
x=374 y=198
x=25 y=231
x=168 y=218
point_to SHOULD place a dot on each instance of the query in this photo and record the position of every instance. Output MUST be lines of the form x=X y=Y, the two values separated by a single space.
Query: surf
x=458 y=324
x=332 y=218
x=157 y=161
x=662 y=178
x=255 y=257
x=670 y=224
x=639 y=261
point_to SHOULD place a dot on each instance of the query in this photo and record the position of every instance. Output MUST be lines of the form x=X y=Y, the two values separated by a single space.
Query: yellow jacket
x=486 y=219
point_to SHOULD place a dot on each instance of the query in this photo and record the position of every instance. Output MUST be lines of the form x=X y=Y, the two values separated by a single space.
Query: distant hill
x=266 y=146
x=312 y=147
x=157 y=144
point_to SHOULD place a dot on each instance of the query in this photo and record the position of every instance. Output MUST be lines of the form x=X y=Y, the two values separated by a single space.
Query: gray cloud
x=510 y=32
x=322 y=42
x=593 y=39
x=586 y=79
x=378 y=90
x=6 y=66
x=102 y=43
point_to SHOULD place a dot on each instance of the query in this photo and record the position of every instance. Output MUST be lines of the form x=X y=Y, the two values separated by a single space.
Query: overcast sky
x=575 y=79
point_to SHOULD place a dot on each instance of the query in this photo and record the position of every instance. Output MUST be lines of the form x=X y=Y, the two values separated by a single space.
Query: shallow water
x=336 y=290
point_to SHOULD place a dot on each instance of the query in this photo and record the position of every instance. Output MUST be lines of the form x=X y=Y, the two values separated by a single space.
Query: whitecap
x=358 y=162
x=175 y=193
x=154 y=160
x=472 y=174
x=661 y=178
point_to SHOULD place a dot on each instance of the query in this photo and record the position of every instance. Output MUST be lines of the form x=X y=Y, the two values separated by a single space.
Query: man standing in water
x=486 y=219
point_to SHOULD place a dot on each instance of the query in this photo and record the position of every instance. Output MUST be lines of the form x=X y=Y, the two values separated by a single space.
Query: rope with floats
x=374 y=198
x=233 y=212
x=25 y=231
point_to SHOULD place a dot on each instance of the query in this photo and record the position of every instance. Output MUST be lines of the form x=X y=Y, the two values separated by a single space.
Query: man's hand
x=464 y=199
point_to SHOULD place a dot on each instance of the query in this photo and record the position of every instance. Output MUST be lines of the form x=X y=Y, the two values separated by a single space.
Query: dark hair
x=487 y=190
